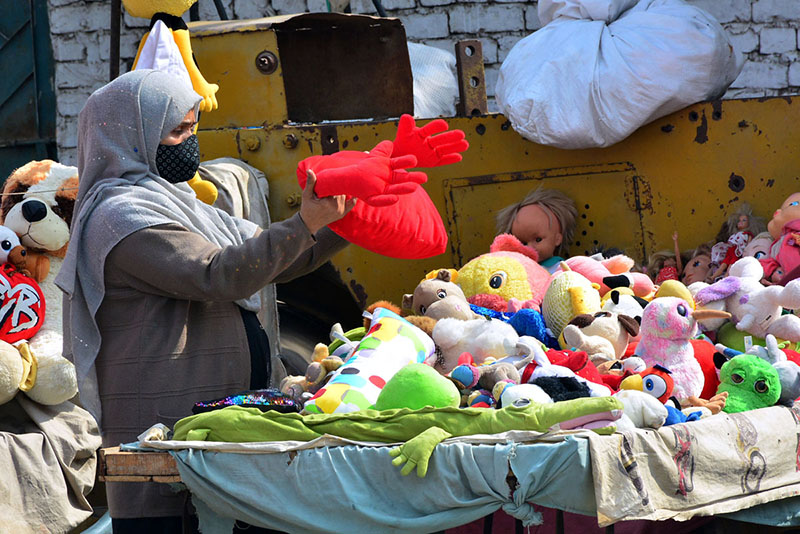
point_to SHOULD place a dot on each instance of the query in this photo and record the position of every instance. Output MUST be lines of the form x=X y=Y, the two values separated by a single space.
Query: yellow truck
x=301 y=85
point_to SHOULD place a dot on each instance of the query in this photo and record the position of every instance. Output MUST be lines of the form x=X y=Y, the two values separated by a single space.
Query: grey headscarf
x=119 y=130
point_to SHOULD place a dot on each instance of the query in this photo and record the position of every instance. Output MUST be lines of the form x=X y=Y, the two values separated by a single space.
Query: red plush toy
x=655 y=381
x=576 y=361
x=375 y=177
x=704 y=354
x=430 y=150
x=22 y=305
x=396 y=217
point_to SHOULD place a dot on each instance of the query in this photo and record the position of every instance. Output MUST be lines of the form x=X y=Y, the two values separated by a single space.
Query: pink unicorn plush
x=668 y=323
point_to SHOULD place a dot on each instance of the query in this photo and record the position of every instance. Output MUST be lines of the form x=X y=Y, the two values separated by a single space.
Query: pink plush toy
x=613 y=271
x=668 y=325
x=507 y=278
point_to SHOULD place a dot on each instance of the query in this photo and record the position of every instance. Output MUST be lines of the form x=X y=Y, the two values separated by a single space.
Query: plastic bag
x=435 y=86
x=587 y=82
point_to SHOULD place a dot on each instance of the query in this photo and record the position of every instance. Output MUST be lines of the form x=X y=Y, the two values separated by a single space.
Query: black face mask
x=178 y=163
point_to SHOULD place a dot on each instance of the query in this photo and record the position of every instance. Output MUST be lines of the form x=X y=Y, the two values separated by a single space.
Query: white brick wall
x=765 y=31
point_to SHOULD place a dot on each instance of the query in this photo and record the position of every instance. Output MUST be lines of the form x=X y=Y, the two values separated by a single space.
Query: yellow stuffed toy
x=507 y=278
x=169 y=12
x=570 y=294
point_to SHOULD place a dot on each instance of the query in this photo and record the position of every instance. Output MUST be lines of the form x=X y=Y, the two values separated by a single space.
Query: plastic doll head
x=539 y=229
x=758 y=247
x=543 y=220
x=698 y=266
x=789 y=211
x=742 y=222
x=777 y=275
x=657 y=261
x=742 y=219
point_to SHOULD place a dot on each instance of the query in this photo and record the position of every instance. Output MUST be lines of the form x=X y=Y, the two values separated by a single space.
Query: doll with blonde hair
x=697 y=266
x=733 y=237
x=545 y=221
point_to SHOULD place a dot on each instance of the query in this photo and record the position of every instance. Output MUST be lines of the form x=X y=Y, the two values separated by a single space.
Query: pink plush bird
x=668 y=323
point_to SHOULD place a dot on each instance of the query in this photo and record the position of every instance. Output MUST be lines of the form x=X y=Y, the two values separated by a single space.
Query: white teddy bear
x=754 y=308
x=49 y=380
x=482 y=338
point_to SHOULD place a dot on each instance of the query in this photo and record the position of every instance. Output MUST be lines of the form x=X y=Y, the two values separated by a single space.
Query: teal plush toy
x=751 y=383
x=415 y=386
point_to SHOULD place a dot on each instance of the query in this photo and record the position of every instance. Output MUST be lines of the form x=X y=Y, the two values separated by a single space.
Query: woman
x=161 y=289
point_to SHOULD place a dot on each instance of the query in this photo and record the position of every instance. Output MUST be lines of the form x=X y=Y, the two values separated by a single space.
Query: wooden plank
x=119 y=466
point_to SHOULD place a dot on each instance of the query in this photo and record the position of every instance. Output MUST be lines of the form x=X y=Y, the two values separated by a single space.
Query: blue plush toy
x=527 y=322
x=675 y=416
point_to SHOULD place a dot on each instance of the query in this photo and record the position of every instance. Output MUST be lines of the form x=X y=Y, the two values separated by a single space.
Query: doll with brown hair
x=698 y=265
x=733 y=237
x=545 y=221
x=664 y=264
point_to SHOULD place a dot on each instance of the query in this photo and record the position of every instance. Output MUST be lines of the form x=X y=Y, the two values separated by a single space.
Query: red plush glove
x=430 y=150
x=376 y=177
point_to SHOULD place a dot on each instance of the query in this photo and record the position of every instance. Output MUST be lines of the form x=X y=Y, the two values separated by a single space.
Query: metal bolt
x=266 y=62
x=290 y=141
x=252 y=143
x=294 y=200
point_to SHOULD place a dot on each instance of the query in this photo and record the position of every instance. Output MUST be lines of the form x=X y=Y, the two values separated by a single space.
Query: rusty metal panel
x=310 y=67
x=473 y=202
x=471 y=78
x=684 y=172
x=339 y=67
x=247 y=96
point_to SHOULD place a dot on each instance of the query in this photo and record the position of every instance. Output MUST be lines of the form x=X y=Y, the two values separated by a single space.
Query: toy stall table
x=746 y=463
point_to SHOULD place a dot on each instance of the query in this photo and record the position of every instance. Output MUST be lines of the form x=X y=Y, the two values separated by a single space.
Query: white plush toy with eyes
x=8 y=243
x=754 y=308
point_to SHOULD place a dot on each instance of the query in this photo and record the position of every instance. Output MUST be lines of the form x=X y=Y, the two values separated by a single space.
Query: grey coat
x=172 y=334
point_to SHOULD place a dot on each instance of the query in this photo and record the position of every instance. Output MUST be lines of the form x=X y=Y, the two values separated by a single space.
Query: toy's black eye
x=441 y=293
x=422 y=310
x=497 y=280
x=760 y=254
x=681 y=310
x=736 y=378
x=761 y=386
x=6 y=244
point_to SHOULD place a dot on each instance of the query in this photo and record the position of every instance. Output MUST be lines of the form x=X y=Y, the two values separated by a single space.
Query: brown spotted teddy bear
x=38 y=200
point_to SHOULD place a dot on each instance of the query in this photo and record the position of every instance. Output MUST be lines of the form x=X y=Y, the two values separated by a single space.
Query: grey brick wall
x=766 y=31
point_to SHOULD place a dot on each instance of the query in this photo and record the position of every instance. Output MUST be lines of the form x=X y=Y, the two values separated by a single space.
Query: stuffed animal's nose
x=34 y=210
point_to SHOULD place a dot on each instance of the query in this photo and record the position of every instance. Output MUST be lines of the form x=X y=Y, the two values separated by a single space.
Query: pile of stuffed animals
x=499 y=331
x=36 y=213
x=502 y=330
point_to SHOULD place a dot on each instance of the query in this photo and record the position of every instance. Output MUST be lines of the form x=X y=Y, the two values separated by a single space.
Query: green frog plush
x=751 y=383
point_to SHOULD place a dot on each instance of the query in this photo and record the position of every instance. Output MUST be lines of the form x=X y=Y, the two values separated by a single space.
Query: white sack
x=580 y=83
x=435 y=86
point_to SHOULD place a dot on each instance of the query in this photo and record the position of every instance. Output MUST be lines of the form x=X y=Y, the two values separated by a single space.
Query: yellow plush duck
x=169 y=12
x=569 y=294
